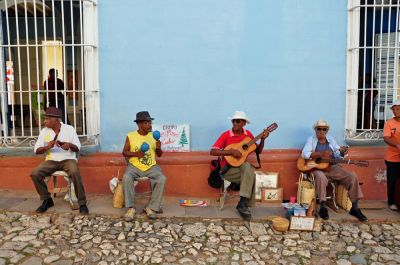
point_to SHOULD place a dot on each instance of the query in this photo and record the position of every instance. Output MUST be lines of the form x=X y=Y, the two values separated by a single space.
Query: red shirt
x=228 y=138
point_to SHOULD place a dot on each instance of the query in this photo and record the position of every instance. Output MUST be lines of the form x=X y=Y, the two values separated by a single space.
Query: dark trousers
x=392 y=176
x=48 y=167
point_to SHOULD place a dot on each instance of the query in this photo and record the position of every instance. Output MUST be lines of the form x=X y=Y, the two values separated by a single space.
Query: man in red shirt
x=244 y=174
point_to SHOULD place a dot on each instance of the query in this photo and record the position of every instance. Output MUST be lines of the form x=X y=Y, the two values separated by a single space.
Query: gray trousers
x=244 y=174
x=48 y=167
x=157 y=182
x=346 y=178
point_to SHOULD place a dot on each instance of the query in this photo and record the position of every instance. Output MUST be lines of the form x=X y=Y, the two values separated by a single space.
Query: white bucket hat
x=321 y=123
x=395 y=103
x=240 y=115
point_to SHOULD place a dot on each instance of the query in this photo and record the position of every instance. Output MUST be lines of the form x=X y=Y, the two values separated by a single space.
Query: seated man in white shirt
x=60 y=143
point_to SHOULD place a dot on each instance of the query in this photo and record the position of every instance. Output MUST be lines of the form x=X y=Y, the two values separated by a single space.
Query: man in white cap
x=244 y=174
x=321 y=145
x=391 y=136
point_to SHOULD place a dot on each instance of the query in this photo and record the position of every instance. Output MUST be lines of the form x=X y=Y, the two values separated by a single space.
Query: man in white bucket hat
x=244 y=174
x=391 y=136
x=322 y=145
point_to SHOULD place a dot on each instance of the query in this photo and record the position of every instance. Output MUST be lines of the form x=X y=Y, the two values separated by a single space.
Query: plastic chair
x=143 y=179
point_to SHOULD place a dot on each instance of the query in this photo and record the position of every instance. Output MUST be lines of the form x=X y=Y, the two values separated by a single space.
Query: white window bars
x=372 y=68
x=49 y=57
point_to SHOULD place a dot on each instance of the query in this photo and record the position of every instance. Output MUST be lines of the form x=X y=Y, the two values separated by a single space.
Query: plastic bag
x=113 y=184
x=71 y=195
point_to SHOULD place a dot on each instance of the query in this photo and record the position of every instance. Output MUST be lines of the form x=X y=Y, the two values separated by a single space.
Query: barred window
x=49 y=57
x=372 y=68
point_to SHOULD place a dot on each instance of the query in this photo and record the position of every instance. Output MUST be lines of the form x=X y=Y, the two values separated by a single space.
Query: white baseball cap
x=395 y=103
x=240 y=115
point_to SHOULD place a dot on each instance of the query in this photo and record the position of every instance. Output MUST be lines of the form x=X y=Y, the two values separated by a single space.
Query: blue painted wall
x=196 y=62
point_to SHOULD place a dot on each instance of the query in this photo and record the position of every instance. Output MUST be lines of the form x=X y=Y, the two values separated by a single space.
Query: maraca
x=144 y=147
x=156 y=135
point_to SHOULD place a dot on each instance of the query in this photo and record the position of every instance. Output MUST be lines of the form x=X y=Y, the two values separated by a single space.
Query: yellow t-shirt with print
x=48 y=138
x=149 y=159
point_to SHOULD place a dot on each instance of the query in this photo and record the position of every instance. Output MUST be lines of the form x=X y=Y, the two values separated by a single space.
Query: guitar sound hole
x=245 y=146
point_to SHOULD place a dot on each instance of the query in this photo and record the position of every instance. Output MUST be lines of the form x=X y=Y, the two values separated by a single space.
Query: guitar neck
x=258 y=137
x=270 y=128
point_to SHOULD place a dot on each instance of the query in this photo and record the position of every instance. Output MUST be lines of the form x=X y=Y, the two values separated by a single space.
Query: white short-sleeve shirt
x=67 y=134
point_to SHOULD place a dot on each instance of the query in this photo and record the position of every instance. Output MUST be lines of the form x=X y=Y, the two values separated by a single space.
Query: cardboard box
x=265 y=180
x=272 y=194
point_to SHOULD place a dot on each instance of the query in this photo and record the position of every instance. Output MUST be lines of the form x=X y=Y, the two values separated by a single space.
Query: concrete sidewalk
x=28 y=201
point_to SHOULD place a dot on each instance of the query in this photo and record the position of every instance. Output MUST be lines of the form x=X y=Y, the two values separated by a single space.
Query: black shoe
x=83 y=209
x=46 y=204
x=323 y=213
x=244 y=211
x=357 y=213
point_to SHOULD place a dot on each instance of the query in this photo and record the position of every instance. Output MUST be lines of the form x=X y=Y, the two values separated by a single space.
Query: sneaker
x=357 y=213
x=393 y=207
x=157 y=212
x=323 y=213
x=150 y=213
x=83 y=209
x=46 y=204
x=130 y=214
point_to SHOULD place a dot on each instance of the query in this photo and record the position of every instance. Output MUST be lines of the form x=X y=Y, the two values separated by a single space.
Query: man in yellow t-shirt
x=141 y=149
x=391 y=136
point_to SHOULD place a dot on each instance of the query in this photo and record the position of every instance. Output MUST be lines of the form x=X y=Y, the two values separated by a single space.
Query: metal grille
x=48 y=57
x=372 y=67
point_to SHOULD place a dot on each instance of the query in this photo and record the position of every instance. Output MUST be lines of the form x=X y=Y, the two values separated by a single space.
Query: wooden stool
x=225 y=194
x=67 y=189
x=332 y=199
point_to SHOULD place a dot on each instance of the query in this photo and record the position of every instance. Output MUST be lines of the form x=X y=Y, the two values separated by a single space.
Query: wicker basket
x=305 y=190
x=342 y=197
x=280 y=224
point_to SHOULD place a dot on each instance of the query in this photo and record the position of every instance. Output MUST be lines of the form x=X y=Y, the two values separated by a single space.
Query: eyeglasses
x=237 y=121
x=322 y=129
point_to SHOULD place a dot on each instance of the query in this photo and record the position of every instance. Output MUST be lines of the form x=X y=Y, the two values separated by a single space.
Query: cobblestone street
x=66 y=238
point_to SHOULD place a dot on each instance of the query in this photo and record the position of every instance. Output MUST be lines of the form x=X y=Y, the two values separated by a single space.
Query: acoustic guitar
x=323 y=164
x=245 y=147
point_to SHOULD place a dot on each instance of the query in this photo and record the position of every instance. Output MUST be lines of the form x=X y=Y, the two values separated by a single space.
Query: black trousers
x=392 y=175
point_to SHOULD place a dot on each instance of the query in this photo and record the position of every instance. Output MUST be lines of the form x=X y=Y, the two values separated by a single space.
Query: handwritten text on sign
x=174 y=137
x=302 y=223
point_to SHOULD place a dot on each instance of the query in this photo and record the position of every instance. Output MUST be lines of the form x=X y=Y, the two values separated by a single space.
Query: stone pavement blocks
x=13 y=246
x=6 y=253
x=32 y=261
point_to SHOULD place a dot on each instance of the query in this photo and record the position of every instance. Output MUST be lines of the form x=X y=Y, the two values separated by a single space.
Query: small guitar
x=246 y=146
x=322 y=163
